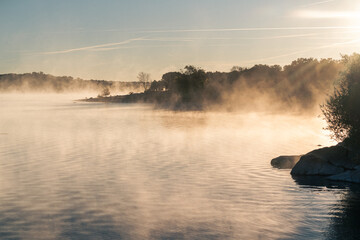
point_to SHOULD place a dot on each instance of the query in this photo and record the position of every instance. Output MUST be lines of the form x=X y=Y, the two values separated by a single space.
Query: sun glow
x=348 y=18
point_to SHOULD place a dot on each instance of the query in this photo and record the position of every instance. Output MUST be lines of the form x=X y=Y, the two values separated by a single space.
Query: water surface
x=126 y=171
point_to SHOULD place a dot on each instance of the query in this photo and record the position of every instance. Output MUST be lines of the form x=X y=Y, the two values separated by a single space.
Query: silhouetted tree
x=236 y=69
x=144 y=79
x=342 y=109
x=157 y=86
x=298 y=86
x=169 y=80
x=191 y=83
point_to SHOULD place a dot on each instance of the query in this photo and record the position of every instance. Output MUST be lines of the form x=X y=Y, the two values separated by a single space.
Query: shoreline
x=338 y=163
x=160 y=99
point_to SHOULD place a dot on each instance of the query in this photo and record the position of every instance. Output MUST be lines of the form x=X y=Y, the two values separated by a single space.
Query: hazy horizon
x=114 y=40
x=200 y=120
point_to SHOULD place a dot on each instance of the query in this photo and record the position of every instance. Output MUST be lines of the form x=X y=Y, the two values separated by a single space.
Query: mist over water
x=75 y=170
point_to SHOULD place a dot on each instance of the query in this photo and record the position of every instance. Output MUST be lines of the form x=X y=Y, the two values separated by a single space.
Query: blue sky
x=115 y=40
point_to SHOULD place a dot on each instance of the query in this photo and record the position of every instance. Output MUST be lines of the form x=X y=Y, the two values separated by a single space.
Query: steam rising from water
x=127 y=171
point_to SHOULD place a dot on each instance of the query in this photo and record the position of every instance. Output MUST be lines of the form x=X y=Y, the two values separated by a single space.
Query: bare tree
x=144 y=79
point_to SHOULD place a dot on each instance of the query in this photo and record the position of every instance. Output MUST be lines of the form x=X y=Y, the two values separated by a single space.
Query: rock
x=340 y=163
x=348 y=176
x=285 y=162
x=326 y=161
x=312 y=165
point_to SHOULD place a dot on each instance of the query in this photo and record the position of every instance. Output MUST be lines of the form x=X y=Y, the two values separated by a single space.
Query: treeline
x=301 y=85
x=41 y=82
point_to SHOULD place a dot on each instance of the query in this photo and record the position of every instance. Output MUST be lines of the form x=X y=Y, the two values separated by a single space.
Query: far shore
x=143 y=97
x=160 y=99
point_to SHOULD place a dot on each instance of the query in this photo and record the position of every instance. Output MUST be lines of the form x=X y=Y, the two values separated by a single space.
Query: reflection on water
x=344 y=214
x=125 y=171
x=345 y=221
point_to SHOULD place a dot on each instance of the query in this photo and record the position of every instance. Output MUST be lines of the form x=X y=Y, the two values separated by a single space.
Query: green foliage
x=342 y=109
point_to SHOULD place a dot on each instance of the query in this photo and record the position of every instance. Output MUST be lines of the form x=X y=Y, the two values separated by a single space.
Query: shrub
x=342 y=109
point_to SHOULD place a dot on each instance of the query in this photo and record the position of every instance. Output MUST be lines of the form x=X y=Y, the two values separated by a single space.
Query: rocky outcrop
x=340 y=163
x=285 y=162
x=326 y=161
x=348 y=176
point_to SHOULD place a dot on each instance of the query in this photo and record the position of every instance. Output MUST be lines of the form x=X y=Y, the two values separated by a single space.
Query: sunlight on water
x=71 y=170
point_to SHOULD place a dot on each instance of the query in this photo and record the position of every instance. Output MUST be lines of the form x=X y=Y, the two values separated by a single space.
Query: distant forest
x=301 y=85
x=41 y=82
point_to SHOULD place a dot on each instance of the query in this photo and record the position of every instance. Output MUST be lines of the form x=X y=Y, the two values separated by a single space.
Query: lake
x=76 y=170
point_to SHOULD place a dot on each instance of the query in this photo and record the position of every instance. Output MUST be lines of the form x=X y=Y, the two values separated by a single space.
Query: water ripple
x=96 y=171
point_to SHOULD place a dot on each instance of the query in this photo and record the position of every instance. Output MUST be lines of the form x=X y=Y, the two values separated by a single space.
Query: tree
x=105 y=92
x=169 y=80
x=157 y=86
x=236 y=69
x=190 y=84
x=144 y=79
x=342 y=109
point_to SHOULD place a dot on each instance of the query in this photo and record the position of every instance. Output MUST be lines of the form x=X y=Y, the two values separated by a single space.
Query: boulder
x=326 y=161
x=348 y=176
x=285 y=162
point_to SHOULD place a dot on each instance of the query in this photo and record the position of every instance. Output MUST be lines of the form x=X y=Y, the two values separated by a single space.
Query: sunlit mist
x=130 y=171
x=200 y=119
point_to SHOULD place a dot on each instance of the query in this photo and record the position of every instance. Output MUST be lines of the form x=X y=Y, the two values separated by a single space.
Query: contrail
x=134 y=47
x=108 y=46
x=117 y=45
x=198 y=39
x=94 y=46
x=112 y=46
x=304 y=51
x=282 y=36
x=317 y=3
x=229 y=29
x=250 y=29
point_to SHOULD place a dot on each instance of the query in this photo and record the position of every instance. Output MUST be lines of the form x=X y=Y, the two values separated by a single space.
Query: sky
x=117 y=39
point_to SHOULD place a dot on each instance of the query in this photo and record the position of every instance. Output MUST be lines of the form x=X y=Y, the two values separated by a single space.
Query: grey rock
x=348 y=176
x=326 y=161
x=311 y=165
x=340 y=163
x=285 y=162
